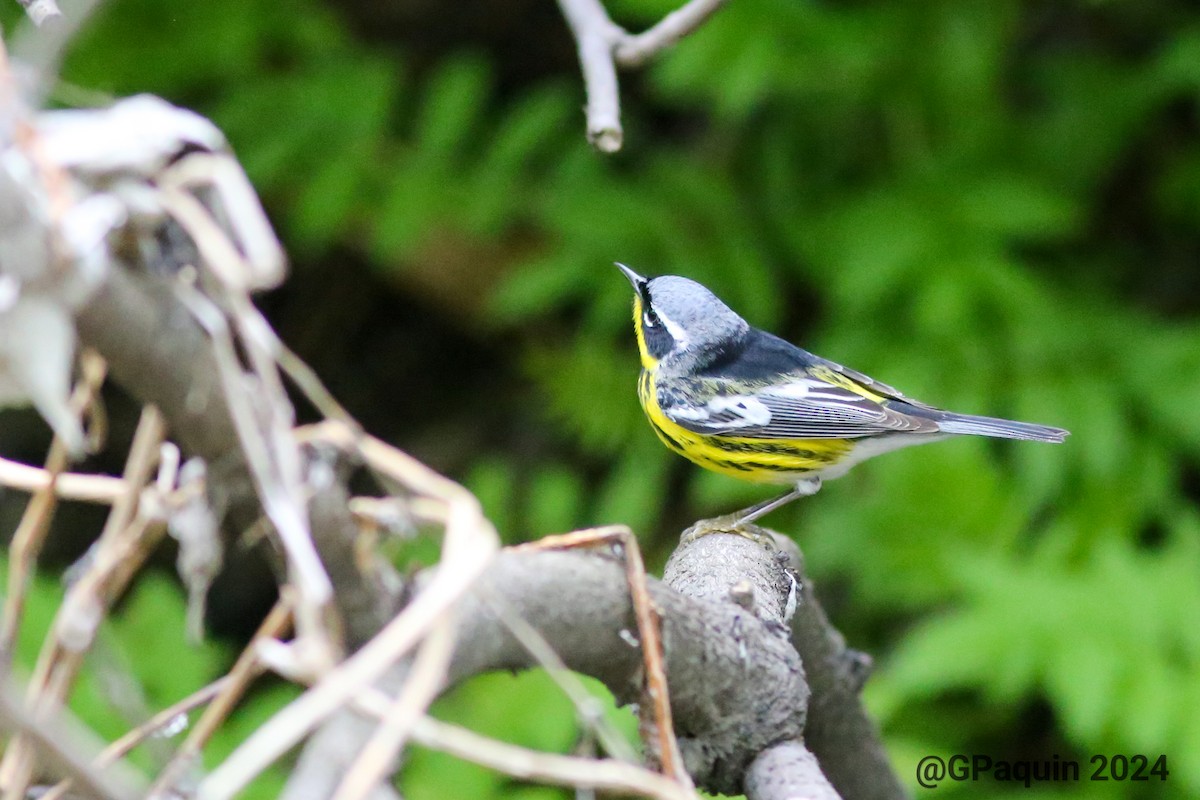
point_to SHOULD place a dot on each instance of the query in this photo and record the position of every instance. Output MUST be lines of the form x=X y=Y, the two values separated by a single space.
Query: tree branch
x=596 y=35
x=604 y=45
x=634 y=50
x=736 y=685
x=159 y=354
x=839 y=732
x=787 y=771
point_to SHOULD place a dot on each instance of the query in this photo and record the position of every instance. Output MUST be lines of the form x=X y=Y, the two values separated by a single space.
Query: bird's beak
x=637 y=280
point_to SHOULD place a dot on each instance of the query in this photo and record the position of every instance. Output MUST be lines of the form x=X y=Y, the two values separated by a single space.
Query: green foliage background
x=992 y=204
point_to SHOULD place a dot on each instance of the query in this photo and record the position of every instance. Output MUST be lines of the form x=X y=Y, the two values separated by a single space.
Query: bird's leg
x=803 y=488
x=735 y=522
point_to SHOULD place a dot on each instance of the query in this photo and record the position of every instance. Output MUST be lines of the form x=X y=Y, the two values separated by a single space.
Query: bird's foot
x=729 y=523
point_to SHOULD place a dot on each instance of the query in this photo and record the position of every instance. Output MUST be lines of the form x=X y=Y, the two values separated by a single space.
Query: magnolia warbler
x=745 y=403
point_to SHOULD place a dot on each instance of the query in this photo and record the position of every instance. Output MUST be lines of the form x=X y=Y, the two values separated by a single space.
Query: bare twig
x=123 y=546
x=133 y=738
x=307 y=380
x=100 y=489
x=603 y=45
x=520 y=762
x=469 y=544
x=634 y=50
x=35 y=523
x=648 y=633
x=245 y=669
x=424 y=682
x=295 y=721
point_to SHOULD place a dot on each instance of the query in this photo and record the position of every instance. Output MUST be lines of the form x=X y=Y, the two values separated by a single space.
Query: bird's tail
x=1000 y=428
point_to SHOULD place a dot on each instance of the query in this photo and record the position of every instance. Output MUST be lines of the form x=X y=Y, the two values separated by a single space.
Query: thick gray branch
x=839 y=732
x=787 y=771
x=737 y=686
x=757 y=576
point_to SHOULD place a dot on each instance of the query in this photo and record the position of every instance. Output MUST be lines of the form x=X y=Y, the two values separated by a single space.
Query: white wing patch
x=726 y=412
x=678 y=412
x=745 y=410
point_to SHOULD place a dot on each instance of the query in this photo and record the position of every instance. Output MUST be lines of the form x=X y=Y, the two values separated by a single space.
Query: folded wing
x=802 y=407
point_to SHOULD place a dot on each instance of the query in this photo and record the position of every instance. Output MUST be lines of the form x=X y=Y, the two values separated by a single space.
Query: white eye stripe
x=676 y=331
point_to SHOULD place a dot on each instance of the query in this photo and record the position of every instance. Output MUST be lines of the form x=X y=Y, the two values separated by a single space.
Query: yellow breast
x=758 y=460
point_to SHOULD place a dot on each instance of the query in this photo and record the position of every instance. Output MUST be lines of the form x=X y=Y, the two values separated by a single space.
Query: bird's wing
x=867 y=382
x=800 y=406
x=772 y=389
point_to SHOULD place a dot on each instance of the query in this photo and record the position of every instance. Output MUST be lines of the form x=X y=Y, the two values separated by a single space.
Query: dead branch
x=603 y=45
x=35 y=522
x=656 y=702
x=737 y=685
x=840 y=733
x=100 y=489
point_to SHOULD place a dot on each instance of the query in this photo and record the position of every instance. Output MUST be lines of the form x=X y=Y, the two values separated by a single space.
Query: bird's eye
x=650 y=319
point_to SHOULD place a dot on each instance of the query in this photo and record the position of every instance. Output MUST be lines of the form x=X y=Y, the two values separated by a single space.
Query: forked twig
x=603 y=45
x=648 y=632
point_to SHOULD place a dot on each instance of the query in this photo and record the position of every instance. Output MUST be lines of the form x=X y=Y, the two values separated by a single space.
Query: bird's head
x=680 y=324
